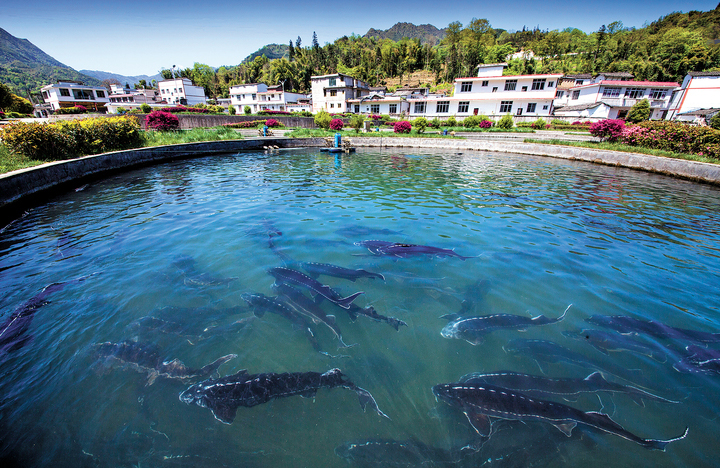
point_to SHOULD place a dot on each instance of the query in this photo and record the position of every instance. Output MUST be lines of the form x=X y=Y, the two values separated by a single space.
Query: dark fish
x=193 y=277
x=303 y=305
x=629 y=325
x=606 y=342
x=317 y=269
x=480 y=402
x=146 y=358
x=407 y=250
x=363 y=231
x=370 y=312
x=699 y=360
x=287 y=275
x=13 y=332
x=544 y=352
x=545 y=387
x=197 y=330
x=474 y=329
x=395 y=453
x=473 y=295
x=225 y=395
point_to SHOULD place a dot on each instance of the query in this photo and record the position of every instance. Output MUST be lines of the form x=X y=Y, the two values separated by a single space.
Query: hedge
x=69 y=139
x=675 y=137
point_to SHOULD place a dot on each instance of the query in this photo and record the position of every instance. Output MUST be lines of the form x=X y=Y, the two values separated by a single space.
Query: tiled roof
x=631 y=84
x=707 y=73
x=579 y=107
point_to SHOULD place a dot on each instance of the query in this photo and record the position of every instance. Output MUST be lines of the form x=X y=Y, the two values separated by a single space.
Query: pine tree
x=291 y=51
x=298 y=43
x=315 y=44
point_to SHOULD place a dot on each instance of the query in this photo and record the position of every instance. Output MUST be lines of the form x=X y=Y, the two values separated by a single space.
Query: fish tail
x=366 y=399
x=563 y=314
x=346 y=301
x=654 y=444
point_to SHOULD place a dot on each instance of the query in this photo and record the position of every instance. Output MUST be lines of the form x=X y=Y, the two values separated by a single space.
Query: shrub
x=420 y=124
x=162 y=121
x=609 y=129
x=246 y=124
x=216 y=109
x=322 y=119
x=247 y=110
x=506 y=122
x=435 y=123
x=231 y=110
x=451 y=121
x=63 y=140
x=639 y=112
x=356 y=122
x=272 y=123
x=539 y=124
x=402 y=126
x=715 y=121
x=558 y=122
x=273 y=112
x=471 y=121
x=485 y=124
x=72 y=110
x=674 y=136
x=145 y=108
x=336 y=124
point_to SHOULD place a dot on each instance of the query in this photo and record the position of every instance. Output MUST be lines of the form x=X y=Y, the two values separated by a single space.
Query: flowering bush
x=376 y=117
x=577 y=122
x=273 y=123
x=336 y=124
x=485 y=124
x=163 y=121
x=609 y=129
x=246 y=124
x=63 y=140
x=402 y=126
x=674 y=136
x=273 y=112
x=179 y=109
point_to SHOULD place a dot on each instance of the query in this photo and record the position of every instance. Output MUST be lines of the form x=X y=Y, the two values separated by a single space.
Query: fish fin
x=346 y=301
x=543 y=366
x=151 y=378
x=566 y=428
x=480 y=422
x=596 y=377
x=241 y=373
x=638 y=400
x=477 y=340
x=601 y=349
x=450 y=317
x=224 y=414
x=658 y=356
x=661 y=444
x=366 y=399
x=258 y=313
x=330 y=319
x=379 y=275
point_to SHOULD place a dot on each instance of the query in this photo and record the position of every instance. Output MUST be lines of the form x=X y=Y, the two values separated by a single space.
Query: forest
x=665 y=50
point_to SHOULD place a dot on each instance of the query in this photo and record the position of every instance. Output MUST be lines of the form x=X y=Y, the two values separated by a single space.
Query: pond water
x=164 y=256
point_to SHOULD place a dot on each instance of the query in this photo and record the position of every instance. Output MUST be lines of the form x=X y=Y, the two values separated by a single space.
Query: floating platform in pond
x=337 y=150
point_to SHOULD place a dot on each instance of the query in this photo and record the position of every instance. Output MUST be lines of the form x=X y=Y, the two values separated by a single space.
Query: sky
x=132 y=38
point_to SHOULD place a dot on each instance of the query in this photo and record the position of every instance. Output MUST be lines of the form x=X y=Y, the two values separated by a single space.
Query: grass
x=626 y=148
x=12 y=162
x=153 y=138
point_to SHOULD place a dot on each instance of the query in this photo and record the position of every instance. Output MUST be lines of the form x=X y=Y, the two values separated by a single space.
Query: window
x=393 y=108
x=634 y=93
x=443 y=106
x=100 y=93
x=332 y=81
x=524 y=88
x=419 y=108
x=538 y=84
x=82 y=94
x=551 y=84
x=578 y=82
x=254 y=97
x=576 y=94
x=64 y=92
x=463 y=106
x=494 y=89
x=485 y=83
x=559 y=94
x=45 y=95
x=658 y=94
x=357 y=108
x=510 y=85
x=611 y=92
x=332 y=105
x=506 y=106
x=375 y=108
x=466 y=87
x=531 y=107
x=545 y=107
x=333 y=92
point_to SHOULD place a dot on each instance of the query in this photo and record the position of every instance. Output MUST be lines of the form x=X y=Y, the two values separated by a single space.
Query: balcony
x=622 y=102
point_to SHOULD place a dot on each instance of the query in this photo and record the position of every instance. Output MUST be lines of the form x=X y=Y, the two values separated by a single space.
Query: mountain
x=131 y=80
x=427 y=33
x=271 y=51
x=25 y=68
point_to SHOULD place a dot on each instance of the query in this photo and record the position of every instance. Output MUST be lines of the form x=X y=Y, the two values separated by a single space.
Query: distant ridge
x=24 y=67
x=427 y=33
x=131 y=80
x=271 y=51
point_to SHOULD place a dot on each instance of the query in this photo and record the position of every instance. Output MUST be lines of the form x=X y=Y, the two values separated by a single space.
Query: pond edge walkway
x=24 y=187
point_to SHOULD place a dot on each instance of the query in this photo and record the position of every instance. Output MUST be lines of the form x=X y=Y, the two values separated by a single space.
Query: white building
x=618 y=97
x=699 y=91
x=332 y=92
x=75 y=93
x=181 y=91
x=260 y=97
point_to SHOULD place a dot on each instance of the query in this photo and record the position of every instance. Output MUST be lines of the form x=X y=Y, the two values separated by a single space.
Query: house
x=699 y=90
x=332 y=92
x=618 y=95
x=181 y=91
x=129 y=96
x=259 y=97
x=379 y=104
x=492 y=94
x=68 y=93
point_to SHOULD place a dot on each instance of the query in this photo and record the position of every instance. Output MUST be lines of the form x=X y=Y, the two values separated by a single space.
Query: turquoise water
x=182 y=241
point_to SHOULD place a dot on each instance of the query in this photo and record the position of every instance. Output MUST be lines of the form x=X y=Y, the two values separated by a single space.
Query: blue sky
x=130 y=37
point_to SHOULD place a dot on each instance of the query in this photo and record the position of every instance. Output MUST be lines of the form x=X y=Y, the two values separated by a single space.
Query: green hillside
x=426 y=33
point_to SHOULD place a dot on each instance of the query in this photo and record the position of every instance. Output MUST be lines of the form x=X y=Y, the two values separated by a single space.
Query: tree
x=715 y=121
x=298 y=43
x=291 y=51
x=110 y=81
x=639 y=112
x=6 y=95
x=315 y=44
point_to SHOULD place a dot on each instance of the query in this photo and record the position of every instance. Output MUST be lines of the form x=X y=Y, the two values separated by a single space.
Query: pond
x=117 y=296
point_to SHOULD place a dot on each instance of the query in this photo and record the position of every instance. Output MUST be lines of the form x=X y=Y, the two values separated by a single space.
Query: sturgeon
x=699 y=360
x=606 y=342
x=481 y=402
x=546 y=387
x=146 y=358
x=630 y=325
x=316 y=269
x=287 y=275
x=474 y=329
x=225 y=395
